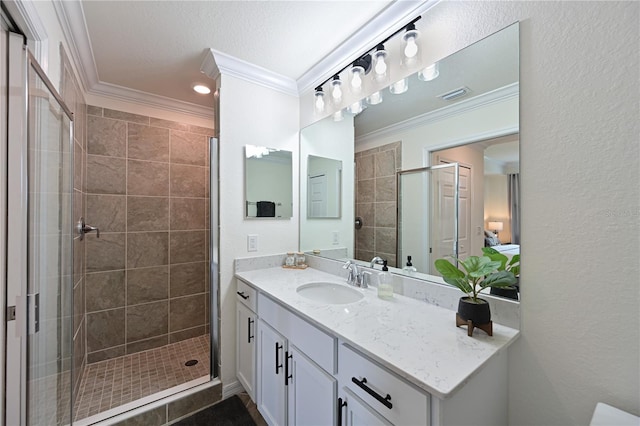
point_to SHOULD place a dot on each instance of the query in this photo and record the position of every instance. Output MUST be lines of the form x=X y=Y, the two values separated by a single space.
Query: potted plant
x=478 y=273
x=512 y=265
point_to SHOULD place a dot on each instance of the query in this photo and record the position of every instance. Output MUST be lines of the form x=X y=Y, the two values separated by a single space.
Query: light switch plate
x=336 y=238
x=252 y=242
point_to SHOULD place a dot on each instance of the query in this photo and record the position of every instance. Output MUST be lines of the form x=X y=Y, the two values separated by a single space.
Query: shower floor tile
x=109 y=384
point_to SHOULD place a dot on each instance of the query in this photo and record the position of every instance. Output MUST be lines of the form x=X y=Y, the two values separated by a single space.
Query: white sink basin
x=331 y=293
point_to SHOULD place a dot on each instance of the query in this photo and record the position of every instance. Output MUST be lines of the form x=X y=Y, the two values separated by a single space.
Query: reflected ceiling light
x=410 y=37
x=336 y=89
x=374 y=98
x=454 y=94
x=399 y=87
x=319 y=100
x=202 y=89
x=429 y=73
x=356 y=108
x=338 y=116
x=380 y=61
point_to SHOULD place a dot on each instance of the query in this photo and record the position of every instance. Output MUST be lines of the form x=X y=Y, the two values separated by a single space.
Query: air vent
x=455 y=94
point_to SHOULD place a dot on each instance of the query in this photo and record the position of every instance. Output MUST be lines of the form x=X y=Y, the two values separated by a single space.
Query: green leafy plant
x=513 y=265
x=478 y=273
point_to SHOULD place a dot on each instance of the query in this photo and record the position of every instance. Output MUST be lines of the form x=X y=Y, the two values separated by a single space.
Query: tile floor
x=111 y=383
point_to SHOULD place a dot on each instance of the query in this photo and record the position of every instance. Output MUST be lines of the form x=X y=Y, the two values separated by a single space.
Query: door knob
x=82 y=228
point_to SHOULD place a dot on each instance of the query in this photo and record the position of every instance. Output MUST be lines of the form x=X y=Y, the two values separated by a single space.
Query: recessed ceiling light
x=202 y=89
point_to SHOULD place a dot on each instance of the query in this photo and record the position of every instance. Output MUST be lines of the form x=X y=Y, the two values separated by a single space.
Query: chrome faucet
x=377 y=261
x=356 y=278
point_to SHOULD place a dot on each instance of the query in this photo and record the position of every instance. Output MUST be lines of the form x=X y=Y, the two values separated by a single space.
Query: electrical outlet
x=336 y=237
x=252 y=242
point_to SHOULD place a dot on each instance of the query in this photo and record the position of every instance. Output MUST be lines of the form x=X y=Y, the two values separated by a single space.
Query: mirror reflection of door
x=318 y=195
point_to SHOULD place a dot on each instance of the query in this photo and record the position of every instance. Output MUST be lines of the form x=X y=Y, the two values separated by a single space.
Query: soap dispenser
x=410 y=269
x=385 y=282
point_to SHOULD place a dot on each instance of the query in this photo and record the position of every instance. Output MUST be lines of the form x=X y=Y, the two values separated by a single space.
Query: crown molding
x=384 y=24
x=497 y=95
x=216 y=62
x=71 y=18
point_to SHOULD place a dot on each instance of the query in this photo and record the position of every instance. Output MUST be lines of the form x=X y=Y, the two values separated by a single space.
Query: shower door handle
x=82 y=228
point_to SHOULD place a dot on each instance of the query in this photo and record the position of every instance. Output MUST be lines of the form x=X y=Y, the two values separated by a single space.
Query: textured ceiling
x=158 y=46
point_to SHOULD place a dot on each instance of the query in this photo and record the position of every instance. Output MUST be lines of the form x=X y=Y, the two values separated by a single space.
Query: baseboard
x=231 y=389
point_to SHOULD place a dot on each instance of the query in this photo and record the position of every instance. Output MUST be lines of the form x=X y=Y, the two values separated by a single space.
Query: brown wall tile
x=147 y=249
x=167 y=124
x=107 y=212
x=385 y=163
x=105 y=329
x=386 y=189
x=105 y=175
x=110 y=353
x=147 y=285
x=188 y=148
x=125 y=116
x=94 y=110
x=106 y=253
x=187 y=334
x=386 y=216
x=365 y=191
x=145 y=345
x=187 y=181
x=201 y=130
x=105 y=290
x=148 y=143
x=186 y=312
x=147 y=320
x=106 y=137
x=147 y=178
x=147 y=214
x=187 y=246
x=188 y=213
x=187 y=278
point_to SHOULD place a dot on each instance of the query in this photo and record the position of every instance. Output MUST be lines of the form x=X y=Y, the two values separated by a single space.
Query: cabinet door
x=356 y=412
x=246 y=348
x=311 y=392
x=271 y=389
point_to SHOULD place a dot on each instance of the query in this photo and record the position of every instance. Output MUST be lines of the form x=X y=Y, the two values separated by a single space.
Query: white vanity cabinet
x=246 y=337
x=378 y=393
x=296 y=360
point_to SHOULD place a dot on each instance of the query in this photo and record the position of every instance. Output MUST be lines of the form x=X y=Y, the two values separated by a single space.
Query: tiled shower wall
x=376 y=201
x=148 y=192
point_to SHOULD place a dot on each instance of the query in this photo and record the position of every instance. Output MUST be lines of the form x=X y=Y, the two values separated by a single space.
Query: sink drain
x=191 y=362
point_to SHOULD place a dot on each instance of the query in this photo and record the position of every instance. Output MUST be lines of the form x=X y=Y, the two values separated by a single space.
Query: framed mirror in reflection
x=268 y=183
x=324 y=182
x=468 y=115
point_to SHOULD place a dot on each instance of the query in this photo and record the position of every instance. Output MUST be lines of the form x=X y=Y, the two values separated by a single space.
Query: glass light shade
x=410 y=47
x=319 y=101
x=380 y=63
x=374 y=98
x=399 y=87
x=202 y=89
x=336 y=90
x=357 y=72
x=338 y=116
x=429 y=73
x=355 y=108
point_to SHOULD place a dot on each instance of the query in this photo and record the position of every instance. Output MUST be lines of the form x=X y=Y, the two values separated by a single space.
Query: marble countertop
x=415 y=340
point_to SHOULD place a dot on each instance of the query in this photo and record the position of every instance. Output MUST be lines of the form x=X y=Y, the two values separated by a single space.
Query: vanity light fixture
x=338 y=116
x=336 y=89
x=429 y=73
x=202 y=89
x=376 y=59
x=319 y=100
x=399 y=87
x=410 y=37
x=356 y=108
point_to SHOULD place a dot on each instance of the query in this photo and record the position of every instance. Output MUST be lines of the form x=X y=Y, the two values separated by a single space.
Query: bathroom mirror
x=473 y=103
x=324 y=182
x=268 y=183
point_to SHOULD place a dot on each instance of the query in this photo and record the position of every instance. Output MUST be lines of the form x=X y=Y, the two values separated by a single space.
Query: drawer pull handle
x=278 y=365
x=341 y=404
x=386 y=401
x=287 y=376
x=241 y=294
x=249 y=336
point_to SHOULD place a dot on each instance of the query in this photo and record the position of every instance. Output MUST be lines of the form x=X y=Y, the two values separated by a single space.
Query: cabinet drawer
x=398 y=401
x=246 y=294
x=316 y=344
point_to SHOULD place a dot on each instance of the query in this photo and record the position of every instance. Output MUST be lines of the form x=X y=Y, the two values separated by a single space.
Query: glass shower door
x=50 y=263
x=40 y=234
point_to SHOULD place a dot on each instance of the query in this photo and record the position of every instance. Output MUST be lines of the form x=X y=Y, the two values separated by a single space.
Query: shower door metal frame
x=214 y=262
